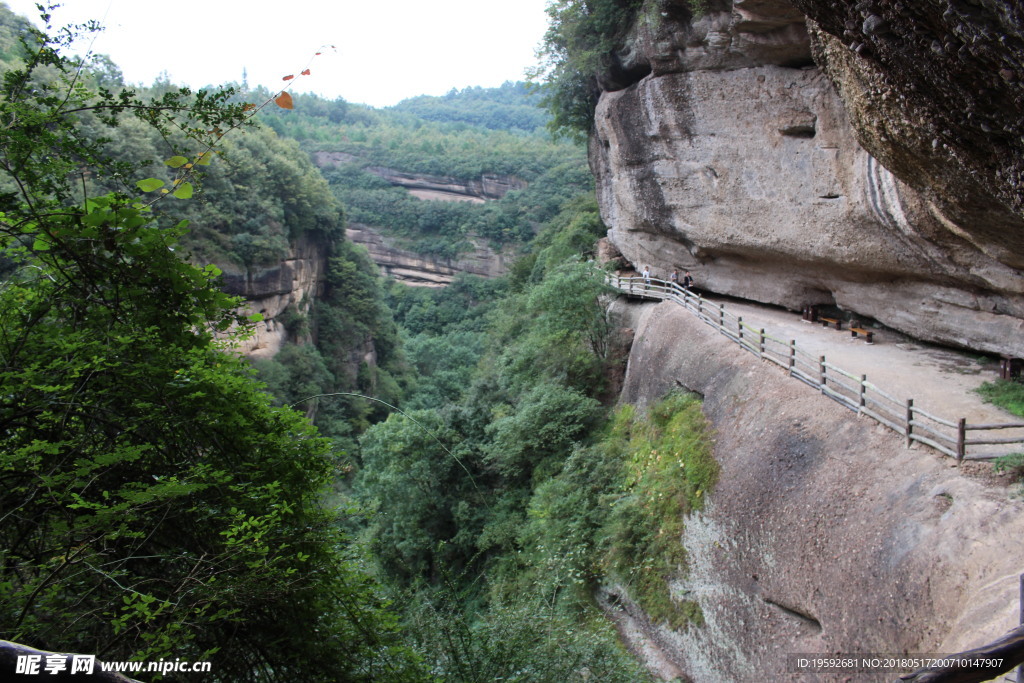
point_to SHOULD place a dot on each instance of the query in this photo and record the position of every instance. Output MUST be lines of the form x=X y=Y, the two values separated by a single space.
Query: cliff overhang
x=794 y=161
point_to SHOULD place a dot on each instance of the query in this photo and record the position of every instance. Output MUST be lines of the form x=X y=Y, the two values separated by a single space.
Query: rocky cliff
x=292 y=283
x=420 y=270
x=424 y=270
x=824 y=534
x=869 y=157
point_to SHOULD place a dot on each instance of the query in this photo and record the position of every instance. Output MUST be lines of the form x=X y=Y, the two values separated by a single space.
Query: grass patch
x=667 y=471
x=1005 y=394
x=1008 y=395
x=1014 y=465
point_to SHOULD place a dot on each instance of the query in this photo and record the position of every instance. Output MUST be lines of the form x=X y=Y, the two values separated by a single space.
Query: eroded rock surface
x=720 y=148
x=824 y=534
x=294 y=282
x=420 y=270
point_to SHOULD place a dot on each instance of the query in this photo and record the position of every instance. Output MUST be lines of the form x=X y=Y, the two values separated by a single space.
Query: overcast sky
x=384 y=51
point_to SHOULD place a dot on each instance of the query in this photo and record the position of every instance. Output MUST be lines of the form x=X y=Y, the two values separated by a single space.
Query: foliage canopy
x=154 y=504
x=579 y=45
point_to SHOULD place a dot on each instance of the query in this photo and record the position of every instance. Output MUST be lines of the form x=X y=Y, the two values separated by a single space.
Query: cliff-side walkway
x=941 y=382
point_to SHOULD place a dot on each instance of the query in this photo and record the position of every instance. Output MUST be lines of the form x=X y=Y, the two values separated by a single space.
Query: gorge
x=448 y=451
x=791 y=154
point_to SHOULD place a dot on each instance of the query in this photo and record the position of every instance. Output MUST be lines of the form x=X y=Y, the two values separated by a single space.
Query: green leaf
x=184 y=191
x=150 y=184
x=255 y=318
x=176 y=161
x=205 y=158
x=40 y=245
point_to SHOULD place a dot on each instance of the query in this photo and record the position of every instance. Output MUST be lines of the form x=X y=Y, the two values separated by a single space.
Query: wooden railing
x=952 y=437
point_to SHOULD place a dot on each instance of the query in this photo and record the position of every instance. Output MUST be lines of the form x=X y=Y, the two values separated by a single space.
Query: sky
x=383 y=50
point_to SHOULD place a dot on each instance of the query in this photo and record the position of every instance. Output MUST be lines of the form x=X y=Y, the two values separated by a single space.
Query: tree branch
x=969 y=666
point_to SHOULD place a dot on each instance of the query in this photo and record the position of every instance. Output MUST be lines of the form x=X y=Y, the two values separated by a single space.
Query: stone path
x=941 y=381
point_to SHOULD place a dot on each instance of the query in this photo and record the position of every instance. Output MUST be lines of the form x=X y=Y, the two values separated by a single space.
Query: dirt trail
x=941 y=381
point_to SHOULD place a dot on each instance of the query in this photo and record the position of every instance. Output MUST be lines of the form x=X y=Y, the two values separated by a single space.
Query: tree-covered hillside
x=154 y=504
x=514 y=107
x=423 y=485
x=444 y=137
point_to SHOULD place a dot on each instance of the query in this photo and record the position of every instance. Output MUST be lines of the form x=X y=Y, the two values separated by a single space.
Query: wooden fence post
x=721 y=317
x=700 y=306
x=792 y=355
x=821 y=373
x=961 y=451
x=910 y=418
x=762 y=344
x=739 y=327
x=1020 y=669
x=863 y=390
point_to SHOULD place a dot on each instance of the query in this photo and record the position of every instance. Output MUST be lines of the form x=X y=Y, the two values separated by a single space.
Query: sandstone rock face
x=936 y=90
x=294 y=282
x=419 y=269
x=738 y=159
x=824 y=534
x=425 y=271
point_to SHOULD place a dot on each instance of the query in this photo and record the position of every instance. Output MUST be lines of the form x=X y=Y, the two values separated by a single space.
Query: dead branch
x=975 y=666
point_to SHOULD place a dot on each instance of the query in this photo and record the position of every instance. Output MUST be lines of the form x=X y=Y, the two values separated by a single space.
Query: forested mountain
x=447 y=450
x=512 y=107
x=446 y=145
x=154 y=503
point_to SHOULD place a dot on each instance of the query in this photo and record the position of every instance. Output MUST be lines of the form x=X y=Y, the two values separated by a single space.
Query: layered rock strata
x=425 y=271
x=444 y=188
x=293 y=283
x=732 y=155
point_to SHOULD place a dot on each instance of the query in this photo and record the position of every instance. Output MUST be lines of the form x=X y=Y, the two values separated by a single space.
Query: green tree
x=579 y=46
x=153 y=503
x=540 y=430
x=424 y=498
x=564 y=334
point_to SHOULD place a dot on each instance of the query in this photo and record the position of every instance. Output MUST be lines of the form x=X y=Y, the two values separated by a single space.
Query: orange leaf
x=248 y=106
x=288 y=78
x=305 y=72
x=284 y=100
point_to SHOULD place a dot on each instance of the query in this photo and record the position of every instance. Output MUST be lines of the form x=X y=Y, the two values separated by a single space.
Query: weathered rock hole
x=798 y=131
x=803 y=617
